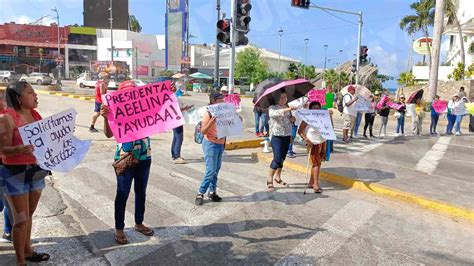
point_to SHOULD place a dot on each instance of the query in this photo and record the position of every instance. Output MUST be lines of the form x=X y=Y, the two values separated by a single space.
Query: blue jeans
x=261 y=122
x=213 y=157
x=401 y=124
x=124 y=183
x=451 y=121
x=280 y=146
x=434 y=122
x=7 y=225
x=357 y=123
x=178 y=138
x=294 y=130
x=458 y=122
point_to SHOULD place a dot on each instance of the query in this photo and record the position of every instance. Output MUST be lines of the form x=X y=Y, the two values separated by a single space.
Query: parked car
x=7 y=76
x=37 y=78
x=139 y=82
x=85 y=80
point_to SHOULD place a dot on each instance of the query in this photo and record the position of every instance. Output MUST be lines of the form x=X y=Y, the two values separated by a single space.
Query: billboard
x=33 y=35
x=420 y=47
x=96 y=14
x=176 y=33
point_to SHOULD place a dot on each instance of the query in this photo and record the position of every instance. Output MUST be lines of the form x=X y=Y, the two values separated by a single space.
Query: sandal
x=270 y=187
x=121 y=240
x=37 y=257
x=281 y=182
x=145 y=231
x=318 y=190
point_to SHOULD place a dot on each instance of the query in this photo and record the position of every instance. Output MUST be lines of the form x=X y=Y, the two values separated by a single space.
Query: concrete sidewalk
x=447 y=189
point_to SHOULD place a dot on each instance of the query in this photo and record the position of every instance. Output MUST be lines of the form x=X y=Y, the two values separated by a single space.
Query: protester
x=100 y=89
x=417 y=126
x=434 y=117
x=281 y=122
x=22 y=178
x=7 y=226
x=224 y=90
x=296 y=104
x=349 y=113
x=213 y=149
x=140 y=150
x=384 y=112
x=358 y=120
x=261 y=123
x=401 y=116
x=459 y=111
x=317 y=146
x=462 y=93
x=369 y=117
x=178 y=134
x=330 y=99
x=451 y=116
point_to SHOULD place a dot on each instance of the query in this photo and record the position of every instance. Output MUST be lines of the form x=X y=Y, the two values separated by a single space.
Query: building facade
x=465 y=14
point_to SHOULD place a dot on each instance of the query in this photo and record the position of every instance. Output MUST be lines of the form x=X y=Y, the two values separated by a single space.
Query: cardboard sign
x=395 y=106
x=440 y=106
x=320 y=120
x=227 y=120
x=56 y=148
x=362 y=104
x=235 y=100
x=140 y=112
x=315 y=95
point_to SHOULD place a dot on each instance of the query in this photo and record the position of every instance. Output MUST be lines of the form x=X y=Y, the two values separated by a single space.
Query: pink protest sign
x=315 y=95
x=139 y=112
x=395 y=106
x=382 y=102
x=234 y=99
x=440 y=106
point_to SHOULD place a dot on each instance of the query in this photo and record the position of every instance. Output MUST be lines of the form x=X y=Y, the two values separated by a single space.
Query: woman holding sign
x=317 y=146
x=22 y=178
x=139 y=173
x=281 y=122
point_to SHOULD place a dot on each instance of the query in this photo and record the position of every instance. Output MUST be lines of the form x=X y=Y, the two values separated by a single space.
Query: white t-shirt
x=350 y=110
x=313 y=135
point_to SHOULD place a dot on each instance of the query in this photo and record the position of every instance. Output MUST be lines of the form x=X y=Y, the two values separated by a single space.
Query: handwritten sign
x=56 y=148
x=362 y=104
x=227 y=120
x=315 y=95
x=440 y=106
x=395 y=106
x=140 y=112
x=234 y=99
x=320 y=120
x=470 y=108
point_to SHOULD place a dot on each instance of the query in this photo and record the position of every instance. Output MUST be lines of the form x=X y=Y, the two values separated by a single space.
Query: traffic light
x=243 y=16
x=300 y=3
x=223 y=31
x=241 y=39
x=363 y=54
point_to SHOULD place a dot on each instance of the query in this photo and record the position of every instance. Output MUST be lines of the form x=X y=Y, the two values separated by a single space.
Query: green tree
x=406 y=79
x=250 y=66
x=458 y=72
x=331 y=76
x=134 y=24
x=165 y=73
x=420 y=21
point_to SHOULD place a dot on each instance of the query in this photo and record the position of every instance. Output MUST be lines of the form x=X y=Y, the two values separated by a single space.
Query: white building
x=203 y=56
x=465 y=16
x=144 y=53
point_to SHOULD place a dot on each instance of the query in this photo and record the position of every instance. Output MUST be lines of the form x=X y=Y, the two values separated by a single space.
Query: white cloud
x=47 y=20
x=386 y=61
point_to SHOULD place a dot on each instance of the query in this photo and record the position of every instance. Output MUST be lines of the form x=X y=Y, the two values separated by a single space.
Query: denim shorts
x=97 y=107
x=22 y=179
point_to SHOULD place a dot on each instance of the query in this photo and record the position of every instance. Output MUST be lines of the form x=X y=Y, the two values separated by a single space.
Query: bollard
x=266 y=145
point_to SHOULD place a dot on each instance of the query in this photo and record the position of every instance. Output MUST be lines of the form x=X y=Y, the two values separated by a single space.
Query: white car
x=139 y=82
x=37 y=78
x=84 y=80
x=7 y=76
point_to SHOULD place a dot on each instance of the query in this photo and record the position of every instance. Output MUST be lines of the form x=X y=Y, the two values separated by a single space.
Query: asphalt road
x=74 y=220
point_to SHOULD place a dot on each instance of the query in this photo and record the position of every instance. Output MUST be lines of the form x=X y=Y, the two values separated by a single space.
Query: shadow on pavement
x=361 y=174
x=288 y=198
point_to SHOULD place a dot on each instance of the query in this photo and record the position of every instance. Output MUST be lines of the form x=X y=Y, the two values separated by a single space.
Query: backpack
x=198 y=136
x=340 y=103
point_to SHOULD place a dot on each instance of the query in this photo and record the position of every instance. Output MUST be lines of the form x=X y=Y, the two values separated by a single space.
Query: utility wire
x=336 y=16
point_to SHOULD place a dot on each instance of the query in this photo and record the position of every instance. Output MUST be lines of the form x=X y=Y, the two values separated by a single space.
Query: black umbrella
x=294 y=89
x=262 y=86
x=415 y=96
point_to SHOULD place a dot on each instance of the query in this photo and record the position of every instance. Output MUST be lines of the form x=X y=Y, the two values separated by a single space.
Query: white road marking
x=333 y=235
x=430 y=161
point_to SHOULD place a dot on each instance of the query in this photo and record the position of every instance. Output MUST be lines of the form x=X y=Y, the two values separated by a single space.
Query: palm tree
x=331 y=76
x=406 y=79
x=420 y=21
x=134 y=24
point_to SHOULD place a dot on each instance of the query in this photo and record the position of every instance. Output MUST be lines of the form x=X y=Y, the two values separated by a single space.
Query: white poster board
x=56 y=148
x=320 y=120
x=362 y=104
x=411 y=110
x=227 y=120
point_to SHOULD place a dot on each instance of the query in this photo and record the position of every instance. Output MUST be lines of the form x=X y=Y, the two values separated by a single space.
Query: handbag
x=125 y=162
x=397 y=114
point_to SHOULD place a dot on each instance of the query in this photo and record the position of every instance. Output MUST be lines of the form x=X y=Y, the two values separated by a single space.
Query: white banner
x=56 y=148
x=228 y=121
x=192 y=117
x=362 y=104
x=320 y=120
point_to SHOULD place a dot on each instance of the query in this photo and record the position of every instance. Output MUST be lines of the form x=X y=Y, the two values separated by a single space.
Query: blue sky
x=388 y=45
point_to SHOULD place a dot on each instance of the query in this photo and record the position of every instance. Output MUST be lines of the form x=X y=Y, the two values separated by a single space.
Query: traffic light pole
x=233 y=42
x=359 y=37
x=216 y=62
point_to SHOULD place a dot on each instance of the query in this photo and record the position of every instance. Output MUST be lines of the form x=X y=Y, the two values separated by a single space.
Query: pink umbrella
x=294 y=89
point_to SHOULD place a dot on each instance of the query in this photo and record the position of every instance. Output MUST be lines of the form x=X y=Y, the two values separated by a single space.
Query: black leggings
x=369 y=122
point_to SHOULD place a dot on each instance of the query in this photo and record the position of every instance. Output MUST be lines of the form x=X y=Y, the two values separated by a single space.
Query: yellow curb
x=45 y=92
x=432 y=205
x=246 y=96
x=66 y=94
x=243 y=144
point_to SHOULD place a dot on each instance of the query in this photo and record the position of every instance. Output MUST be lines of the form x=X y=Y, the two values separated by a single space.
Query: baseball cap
x=224 y=88
x=216 y=95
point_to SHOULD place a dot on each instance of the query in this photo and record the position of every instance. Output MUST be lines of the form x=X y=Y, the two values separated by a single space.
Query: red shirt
x=98 y=94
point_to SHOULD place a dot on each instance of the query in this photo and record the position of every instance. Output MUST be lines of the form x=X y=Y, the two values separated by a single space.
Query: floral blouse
x=280 y=124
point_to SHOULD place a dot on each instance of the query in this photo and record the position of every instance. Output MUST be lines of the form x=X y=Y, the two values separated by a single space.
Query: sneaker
x=179 y=161
x=93 y=130
x=199 y=199
x=365 y=136
x=214 y=197
x=7 y=237
x=291 y=154
x=458 y=133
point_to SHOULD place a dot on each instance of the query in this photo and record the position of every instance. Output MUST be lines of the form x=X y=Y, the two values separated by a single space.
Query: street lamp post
x=280 y=32
x=306 y=41
x=339 y=74
x=111 y=20
x=58 y=83
x=325 y=59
